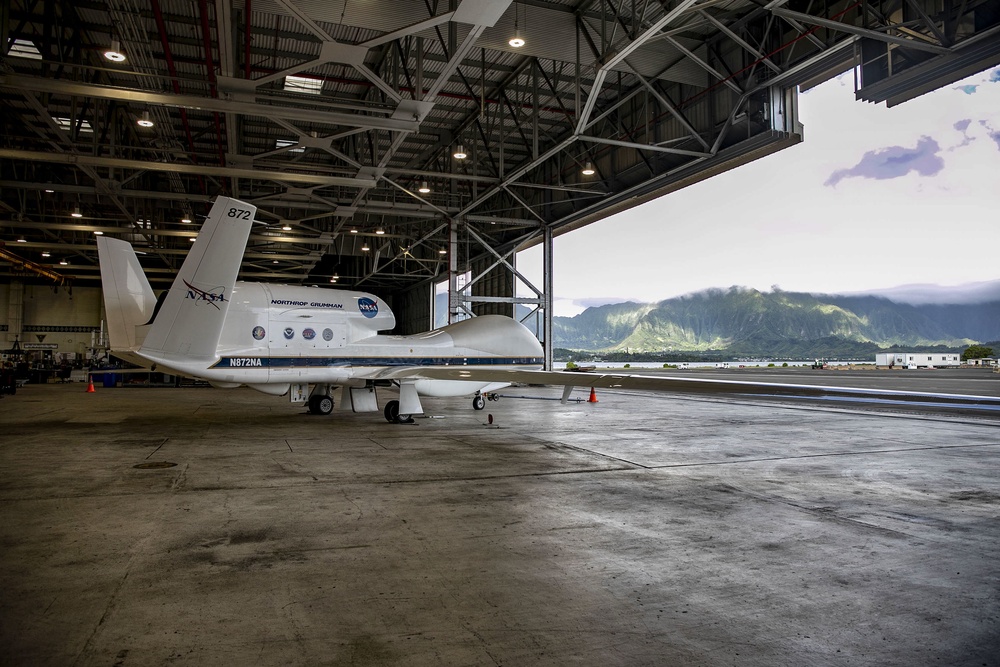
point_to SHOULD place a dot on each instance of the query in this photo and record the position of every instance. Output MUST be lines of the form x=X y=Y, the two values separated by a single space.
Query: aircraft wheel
x=392 y=415
x=478 y=403
x=323 y=405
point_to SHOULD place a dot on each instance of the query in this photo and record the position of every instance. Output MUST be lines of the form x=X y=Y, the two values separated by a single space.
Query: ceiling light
x=98 y=232
x=588 y=170
x=365 y=247
x=192 y=239
x=114 y=54
x=49 y=191
x=274 y=261
x=77 y=213
x=145 y=121
x=21 y=239
x=286 y=228
x=186 y=219
x=516 y=41
x=46 y=254
x=380 y=231
x=460 y=153
x=442 y=251
x=63 y=262
x=423 y=189
x=354 y=230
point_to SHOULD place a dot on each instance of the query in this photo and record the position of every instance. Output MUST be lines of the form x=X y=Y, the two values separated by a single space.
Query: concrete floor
x=641 y=530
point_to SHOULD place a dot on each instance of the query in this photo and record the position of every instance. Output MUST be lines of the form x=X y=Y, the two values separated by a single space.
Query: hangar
x=390 y=147
x=394 y=146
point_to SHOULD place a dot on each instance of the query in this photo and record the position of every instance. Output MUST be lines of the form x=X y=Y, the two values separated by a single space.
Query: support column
x=453 y=298
x=547 y=298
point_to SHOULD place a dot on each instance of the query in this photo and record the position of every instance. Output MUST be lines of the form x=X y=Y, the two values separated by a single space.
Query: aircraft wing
x=689 y=385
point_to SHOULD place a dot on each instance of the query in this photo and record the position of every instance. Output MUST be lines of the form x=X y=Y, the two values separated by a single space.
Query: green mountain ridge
x=745 y=321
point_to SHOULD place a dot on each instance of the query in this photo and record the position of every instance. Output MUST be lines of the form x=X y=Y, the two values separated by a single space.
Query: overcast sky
x=872 y=198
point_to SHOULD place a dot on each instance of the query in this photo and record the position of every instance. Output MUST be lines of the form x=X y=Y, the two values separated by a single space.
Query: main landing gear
x=479 y=402
x=392 y=415
x=320 y=404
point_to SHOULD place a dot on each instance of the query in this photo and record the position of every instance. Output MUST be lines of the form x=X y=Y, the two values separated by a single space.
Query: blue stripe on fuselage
x=333 y=362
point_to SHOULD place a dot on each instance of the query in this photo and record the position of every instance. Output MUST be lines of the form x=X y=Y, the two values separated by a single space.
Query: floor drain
x=153 y=465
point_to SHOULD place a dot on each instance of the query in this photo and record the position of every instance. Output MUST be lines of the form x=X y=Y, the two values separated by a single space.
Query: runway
x=640 y=530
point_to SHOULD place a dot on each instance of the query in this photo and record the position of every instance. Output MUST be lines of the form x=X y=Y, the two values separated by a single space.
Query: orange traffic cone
x=593 y=396
x=90 y=387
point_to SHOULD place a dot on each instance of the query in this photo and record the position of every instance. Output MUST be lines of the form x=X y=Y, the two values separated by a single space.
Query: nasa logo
x=210 y=296
x=367 y=307
x=258 y=333
x=289 y=333
x=327 y=335
x=308 y=334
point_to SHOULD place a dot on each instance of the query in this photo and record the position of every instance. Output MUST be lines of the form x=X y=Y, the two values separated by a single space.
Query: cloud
x=894 y=162
x=968 y=90
x=995 y=76
x=993 y=134
x=962 y=125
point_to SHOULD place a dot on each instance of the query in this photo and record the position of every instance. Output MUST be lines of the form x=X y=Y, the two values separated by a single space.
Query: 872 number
x=239 y=213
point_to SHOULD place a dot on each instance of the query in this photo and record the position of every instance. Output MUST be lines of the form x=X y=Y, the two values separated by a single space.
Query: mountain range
x=741 y=321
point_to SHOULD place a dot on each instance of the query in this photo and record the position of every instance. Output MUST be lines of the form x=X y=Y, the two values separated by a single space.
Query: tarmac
x=197 y=526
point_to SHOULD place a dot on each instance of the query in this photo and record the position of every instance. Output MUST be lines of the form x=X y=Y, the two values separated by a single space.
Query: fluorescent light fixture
x=354 y=230
x=21 y=239
x=66 y=124
x=77 y=213
x=442 y=251
x=285 y=143
x=423 y=189
x=588 y=170
x=186 y=219
x=286 y=228
x=22 y=48
x=192 y=239
x=301 y=84
x=460 y=153
x=114 y=54
x=98 y=232
x=63 y=262
x=49 y=191
x=46 y=254
x=145 y=121
x=380 y=231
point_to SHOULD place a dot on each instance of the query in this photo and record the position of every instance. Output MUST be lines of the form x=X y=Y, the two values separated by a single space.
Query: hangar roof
x=334 y=116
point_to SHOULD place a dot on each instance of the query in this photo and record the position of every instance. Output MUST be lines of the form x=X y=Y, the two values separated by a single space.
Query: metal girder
x=64 y=87
x=206 y=170
x=863 y=32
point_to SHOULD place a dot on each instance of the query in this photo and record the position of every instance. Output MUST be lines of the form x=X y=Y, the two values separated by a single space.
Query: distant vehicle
x=818 y=364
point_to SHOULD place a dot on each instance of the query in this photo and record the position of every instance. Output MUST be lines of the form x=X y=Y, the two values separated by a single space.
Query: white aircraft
x=306 y=341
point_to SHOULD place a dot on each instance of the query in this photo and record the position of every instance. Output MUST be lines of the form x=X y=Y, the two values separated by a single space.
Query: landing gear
x=392 y=415
x=478 y=403
x=320 y=405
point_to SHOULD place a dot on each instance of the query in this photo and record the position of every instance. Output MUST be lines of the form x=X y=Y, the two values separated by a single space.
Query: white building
x=918 y=359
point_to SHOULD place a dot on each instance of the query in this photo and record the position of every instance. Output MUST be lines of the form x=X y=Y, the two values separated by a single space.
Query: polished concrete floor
x=640 y=530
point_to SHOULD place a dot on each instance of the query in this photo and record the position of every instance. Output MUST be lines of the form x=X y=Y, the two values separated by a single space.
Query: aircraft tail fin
x=189 y=323
x=128 y=299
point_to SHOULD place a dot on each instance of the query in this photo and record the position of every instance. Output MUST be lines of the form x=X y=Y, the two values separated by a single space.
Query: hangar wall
x=65 y=318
